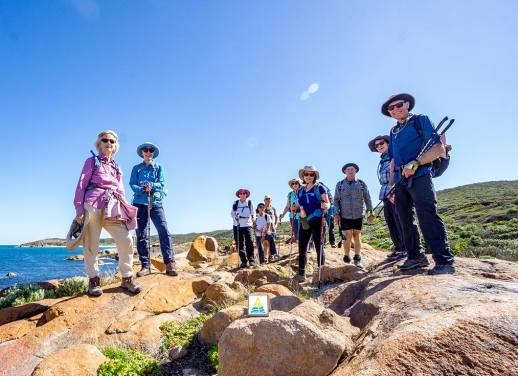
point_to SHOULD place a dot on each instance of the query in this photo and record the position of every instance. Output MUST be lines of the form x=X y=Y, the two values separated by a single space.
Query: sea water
x=36 y=264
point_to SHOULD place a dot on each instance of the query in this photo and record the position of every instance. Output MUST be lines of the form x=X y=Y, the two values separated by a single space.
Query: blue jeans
x=166 y=243
x=421 y=195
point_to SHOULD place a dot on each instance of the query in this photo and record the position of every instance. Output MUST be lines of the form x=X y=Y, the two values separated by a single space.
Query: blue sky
x=219 y=85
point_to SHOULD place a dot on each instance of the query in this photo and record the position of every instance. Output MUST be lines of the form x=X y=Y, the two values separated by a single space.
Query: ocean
x=36 y=264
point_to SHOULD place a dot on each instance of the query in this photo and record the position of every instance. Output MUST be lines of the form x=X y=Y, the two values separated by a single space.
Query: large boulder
x=86 y=360
x=214 y=327
x=203 y=248
x=261 y=275
x=281 y=344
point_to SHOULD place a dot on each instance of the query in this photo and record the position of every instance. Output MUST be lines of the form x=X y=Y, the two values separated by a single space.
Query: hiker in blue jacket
x=416 y=189
x=147 y=183
x=312 y=202
x=290 y=203
x=380 y=144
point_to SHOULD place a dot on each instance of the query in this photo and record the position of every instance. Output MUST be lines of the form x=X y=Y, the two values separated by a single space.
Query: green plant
x=180 y=335
x=126 y=362
x=72 y=287
x=213 y=356
x=23 y=294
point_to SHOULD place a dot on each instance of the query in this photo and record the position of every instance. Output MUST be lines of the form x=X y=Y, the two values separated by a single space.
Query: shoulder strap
x=362 y=184
x=250 y=205
x=419 y=128
x=234 y=207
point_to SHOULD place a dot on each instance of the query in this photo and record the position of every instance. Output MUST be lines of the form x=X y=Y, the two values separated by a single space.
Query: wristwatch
x=413 y=165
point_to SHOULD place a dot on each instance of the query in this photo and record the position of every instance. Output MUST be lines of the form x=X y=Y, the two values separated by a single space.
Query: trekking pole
x=292 y=220
x=149 y=231
x=320 y=256
x=427 y=146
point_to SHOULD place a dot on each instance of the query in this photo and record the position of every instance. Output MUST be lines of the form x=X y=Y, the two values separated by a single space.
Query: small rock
x=219 y=293
x=11 y=275
x=75 y=258
x=177 y=352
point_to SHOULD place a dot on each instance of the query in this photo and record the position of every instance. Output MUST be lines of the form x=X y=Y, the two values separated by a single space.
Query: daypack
x=234 y=207
x=441 y=164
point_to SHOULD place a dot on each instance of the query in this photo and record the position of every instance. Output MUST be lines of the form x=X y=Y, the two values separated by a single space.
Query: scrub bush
x=213 y=356
x=128 y=363
x=72 y=287
x=23 y=294
x=180 y=335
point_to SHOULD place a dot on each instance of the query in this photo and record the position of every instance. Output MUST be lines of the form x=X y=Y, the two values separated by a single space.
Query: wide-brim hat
x=246 y=191
x=310 y=169
x=402 y=96
x=350 y=165
x=76 y=233
x=293 y=181
x=148 y=145
x=372 y=147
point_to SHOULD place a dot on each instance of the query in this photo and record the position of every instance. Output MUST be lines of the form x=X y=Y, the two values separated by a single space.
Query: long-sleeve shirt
x=350 y=197
x=246 y=214
x=152 y=174
x=384 y=175
x=95 y=181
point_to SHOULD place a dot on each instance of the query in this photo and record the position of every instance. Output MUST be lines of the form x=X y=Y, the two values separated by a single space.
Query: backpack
x=328 y=191
x=364 y=187
x=441 y=164
x=97 y=164
x=234 y=206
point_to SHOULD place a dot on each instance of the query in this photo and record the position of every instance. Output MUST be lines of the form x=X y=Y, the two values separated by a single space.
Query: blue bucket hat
x=148 y=145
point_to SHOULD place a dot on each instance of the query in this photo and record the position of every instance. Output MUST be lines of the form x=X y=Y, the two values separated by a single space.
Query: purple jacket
x=100 y=179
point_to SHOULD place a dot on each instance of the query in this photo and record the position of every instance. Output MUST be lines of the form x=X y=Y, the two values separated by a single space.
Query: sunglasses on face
x=395 y=105
x=148 y=150
x=242 y=194
x=309 y=174
x=110 y=140
x=378 y=144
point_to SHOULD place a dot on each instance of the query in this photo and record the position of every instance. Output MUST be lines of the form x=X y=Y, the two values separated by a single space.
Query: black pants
x=245 y=237
x=421 y=195
x=331 y=229
x=315 y=227
x=394 y=225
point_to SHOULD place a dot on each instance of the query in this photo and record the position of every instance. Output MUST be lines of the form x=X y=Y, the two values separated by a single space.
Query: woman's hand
x=325 y=205
x=79 y=219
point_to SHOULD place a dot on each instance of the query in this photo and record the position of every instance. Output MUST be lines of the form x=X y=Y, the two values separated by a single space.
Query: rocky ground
x=371 y=321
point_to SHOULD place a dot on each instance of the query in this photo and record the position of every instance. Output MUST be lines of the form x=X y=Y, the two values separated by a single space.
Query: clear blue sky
x=218 y=86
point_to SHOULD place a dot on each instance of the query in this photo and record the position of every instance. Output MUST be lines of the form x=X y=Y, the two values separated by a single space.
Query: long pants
x=314 y=230
x=158 y=218
x=245 y=238
x=117 y=230
x=394 y=225
x=421 y=195
x=260 y=249
x=331 y=228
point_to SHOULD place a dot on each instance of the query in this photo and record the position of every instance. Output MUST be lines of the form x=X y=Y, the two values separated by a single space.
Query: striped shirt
x=384 y=175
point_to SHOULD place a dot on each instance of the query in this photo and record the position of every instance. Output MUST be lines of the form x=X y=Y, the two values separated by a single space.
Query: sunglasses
x=242 y=194
x=148 y=150
x=396 y=105
x=110 y=140
x=309 y=174
x=377 y=144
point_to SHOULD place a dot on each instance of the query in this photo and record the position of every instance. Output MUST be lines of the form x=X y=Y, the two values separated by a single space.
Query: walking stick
x=292 y=220
x=320 y=256
x=149 y=231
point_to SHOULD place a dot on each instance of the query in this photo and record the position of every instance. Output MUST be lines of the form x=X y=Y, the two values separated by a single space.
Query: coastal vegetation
x=123 y=361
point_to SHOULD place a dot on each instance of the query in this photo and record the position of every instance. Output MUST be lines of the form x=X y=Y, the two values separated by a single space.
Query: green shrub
x=72 y=287
x=180 y=335
x=23 y=294
x=476 y=240
x=213 y=356
x=126 y=362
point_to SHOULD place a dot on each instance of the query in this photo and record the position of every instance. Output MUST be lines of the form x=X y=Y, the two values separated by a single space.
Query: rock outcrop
x=203 y=248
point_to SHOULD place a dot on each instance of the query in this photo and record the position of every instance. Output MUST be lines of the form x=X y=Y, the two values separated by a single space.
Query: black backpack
x=441 y=164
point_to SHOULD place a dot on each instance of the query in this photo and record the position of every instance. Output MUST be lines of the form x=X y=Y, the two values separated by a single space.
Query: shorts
x=351 y=224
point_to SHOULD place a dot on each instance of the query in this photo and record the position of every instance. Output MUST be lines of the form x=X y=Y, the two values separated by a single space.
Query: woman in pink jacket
x=100 y=203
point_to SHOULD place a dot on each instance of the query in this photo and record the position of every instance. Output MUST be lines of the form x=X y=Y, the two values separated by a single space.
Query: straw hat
x=309 y=169
x=293 y=181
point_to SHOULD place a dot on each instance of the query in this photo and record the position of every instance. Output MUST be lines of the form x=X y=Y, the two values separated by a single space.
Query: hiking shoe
x=415 y=263
x=299 y=278
x=144 y=271
x=94 y=287
x=347 y=259
x=357 y=260
x=130 y=285
x=442 y=269
x=274 y=258
x=392 y=254
x=397 y=255
x=252 y=264
x=243 y=265
x=333 y=245
x=340 y=244
x=170 y=269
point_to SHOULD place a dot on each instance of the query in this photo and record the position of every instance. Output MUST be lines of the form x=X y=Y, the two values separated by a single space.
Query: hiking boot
x=252 y=264
x=333 y=245
x=299 y=278
x=347 y=259
x=392 y=254
x=130 y=285
x=442 y=269
x=144 y=271
x=340 y=244
x=170 y=269
x=415 y=263
x=243 y=265
x=357 y=261
x=274 y=258
x=397 y=255
x=94 y=287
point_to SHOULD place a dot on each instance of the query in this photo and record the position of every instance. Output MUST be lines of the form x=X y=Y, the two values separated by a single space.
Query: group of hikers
x=407 y=165
x=405 y=171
